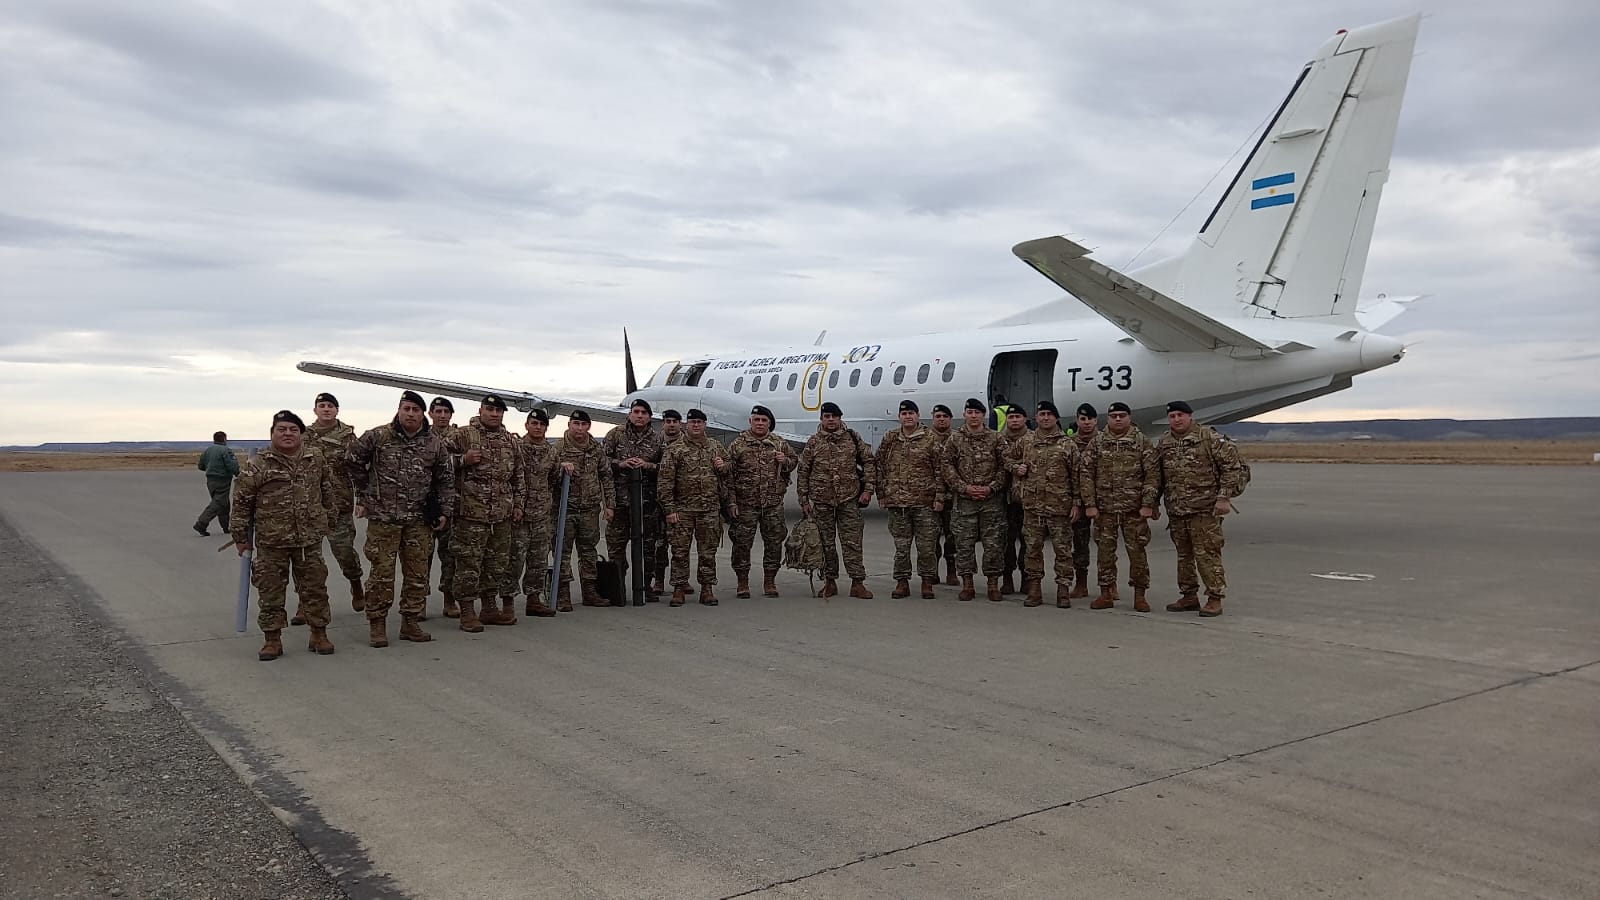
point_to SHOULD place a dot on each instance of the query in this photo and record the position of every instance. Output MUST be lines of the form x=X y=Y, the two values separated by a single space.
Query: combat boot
x=1107 y=598
x=1063 y=597
x=830 y=587
x=1008 y=585
x=858 y=589
x=1139 y=603
x=902 y=588
x=743 y=590
x=967 y=591
x=994 y=589
x=508 y=610
x=707 y=596
x=564 y=597
x=1080 y=583
x=358 y=597
x=591 y=596
x=319 y=642
x=678 y=595
x=927 y=587
x=769 y=583
x=950 y=577
x=411 y=631
x=536 y=608
x=1212 y=608
x=273 y=648
x=469 y=618
x=1186 y=603
x=452 y=610
x=1034 y=592
x=378 y=633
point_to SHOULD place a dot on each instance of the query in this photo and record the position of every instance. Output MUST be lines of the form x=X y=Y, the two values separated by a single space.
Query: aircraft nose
x=1379 y=350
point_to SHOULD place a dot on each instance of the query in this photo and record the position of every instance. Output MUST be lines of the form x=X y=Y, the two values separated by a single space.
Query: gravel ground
x=105 y=789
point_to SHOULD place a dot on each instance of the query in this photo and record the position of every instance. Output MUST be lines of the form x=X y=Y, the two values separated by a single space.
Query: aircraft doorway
x=1025 y=377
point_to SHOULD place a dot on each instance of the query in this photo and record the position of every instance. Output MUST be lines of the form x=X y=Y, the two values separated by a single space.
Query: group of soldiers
x=485 y=502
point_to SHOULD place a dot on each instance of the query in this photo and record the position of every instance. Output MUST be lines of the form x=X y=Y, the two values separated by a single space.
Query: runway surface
x=1429 y=731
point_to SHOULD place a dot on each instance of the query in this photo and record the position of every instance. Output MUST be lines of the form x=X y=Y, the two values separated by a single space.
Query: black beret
x=493 y=400
x=538 y=415
x=412 y=397
x=1118 y=406
x=975 y=403
x=908 y=406
x=759 y=410
x=325 y=397
x=941 y=408
x=1047 y=406
x=696 y=415
x=1087 y=409
x=444 y=402
x=672 y=415
x=284 y=415
x=1180 y=406
x=830 y=408
x=639 y=402
x=578 y=415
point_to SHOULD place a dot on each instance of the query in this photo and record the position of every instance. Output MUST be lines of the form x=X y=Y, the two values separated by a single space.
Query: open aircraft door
x=811 y=386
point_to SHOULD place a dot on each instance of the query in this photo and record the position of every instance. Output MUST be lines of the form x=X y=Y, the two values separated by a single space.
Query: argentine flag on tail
x=1273 y=190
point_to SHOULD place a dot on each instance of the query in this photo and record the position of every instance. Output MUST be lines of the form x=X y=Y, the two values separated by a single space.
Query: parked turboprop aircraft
x=1259 y=313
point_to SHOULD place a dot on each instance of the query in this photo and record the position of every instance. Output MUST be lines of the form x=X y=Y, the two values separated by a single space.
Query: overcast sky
x=196 y=195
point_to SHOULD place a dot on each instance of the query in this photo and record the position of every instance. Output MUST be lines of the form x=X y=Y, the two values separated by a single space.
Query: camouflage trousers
x=1135 y=532
x=742 y=531
x=530 y=557
x=1082 y=534
x=409 y=542
x=343 y=541
x=620 y=531
x=1038 y=528
x=483 y=558
x=978 y=521
x=921 y=524
x=221 y=491
x=1199 y=542
x=270 y=570
x=704 y=529
x=582 y=536
x=841 y=522
x=1015 y=547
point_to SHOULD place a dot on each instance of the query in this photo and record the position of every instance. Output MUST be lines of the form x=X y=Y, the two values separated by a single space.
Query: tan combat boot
x=318 y=642
x=1186 y=603
x=679 y=594
x=994 y=589
x=564 y=597
x=1139 y=603
x=708 y=597
x=1212 y=608
x=537 y=608
x=411 y=631
x=769 y=583
x=377 y=633
x=902 y=588
x=1008 y=585
x=358 y=597
x=743 y=590
x=967 y=591
x=1080 y=584
x=1063 y=597
x=273 y=648
x=858 y=589
x=469 y=617
x=927 y=587
x=830 y=587
x=951 y=578
x=1107 y=598
x=1034 y=591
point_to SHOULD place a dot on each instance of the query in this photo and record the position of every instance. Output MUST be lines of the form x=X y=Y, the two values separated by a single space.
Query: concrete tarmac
x=1422 y=724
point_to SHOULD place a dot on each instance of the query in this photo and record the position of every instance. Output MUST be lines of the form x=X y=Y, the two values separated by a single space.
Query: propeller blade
x=627 y=361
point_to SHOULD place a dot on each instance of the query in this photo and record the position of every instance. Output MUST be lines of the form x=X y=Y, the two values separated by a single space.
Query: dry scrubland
x=1525 y=453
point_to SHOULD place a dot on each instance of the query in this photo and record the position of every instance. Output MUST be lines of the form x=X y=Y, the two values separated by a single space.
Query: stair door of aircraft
x=811 y=386
x=1024 y=376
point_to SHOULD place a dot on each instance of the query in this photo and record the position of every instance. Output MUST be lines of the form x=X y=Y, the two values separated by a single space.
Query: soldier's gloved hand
x=1092 y=512
x=1224 y=506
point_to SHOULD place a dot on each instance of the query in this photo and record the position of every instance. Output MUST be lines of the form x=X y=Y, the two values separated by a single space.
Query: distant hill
x=1418 y=430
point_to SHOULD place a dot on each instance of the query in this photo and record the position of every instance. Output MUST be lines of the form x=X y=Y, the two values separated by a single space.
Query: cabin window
x=855 y=377
x=793 y=380
x=899 y=374
x=712 y=382
x=738 y=384
x=949 y=372
x=773 y=384
x=833 y=379
x=877 y=376
x=922 y=374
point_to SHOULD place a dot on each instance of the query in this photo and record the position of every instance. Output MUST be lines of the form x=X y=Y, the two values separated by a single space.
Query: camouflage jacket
x=541 y=479
x=910 y=468
x=492 y=490
x=974 y=459
x=591 y=487
x=394 y=472
x=1009 y=443
x=1197 y=469
x=828 y=468
x=759 y=469
x=333 y=442
x=1118 y=474
x=690 y=481
x=287 y=498
x=624 y=442
x=1052 y=460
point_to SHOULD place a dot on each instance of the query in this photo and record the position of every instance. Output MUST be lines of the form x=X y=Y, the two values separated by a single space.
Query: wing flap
x=522 y=400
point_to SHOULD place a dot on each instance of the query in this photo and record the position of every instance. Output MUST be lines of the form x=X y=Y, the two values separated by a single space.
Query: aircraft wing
x=1147 y=315
x=522 y=400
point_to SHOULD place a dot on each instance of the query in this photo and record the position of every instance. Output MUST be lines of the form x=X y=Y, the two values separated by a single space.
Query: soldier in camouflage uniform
x=911 y=487
x=837 y=477
x=1117 y=483
x=1084 y=431
x=1200 y=474
x=332 y=438
x=489 y=497
x=633 y=447
x=441 y=411
x=692 y=492
x=395 y=468
x=530 y=551
x=975 y=470
x=590 y=497
x=285 y=494
x=943 y=427
x=760 y=463
x=1014 y=427
x=671 y=433
x=1045 y=464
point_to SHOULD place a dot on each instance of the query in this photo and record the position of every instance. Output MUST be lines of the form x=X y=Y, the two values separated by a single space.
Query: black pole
x=636 y=526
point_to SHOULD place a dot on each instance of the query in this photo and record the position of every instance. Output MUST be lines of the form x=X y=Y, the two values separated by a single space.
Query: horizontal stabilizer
x=522 y=400
x=1147 y=315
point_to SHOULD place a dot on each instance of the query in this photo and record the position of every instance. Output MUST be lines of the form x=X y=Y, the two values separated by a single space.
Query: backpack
x=802 y=550
x=1211 y=437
